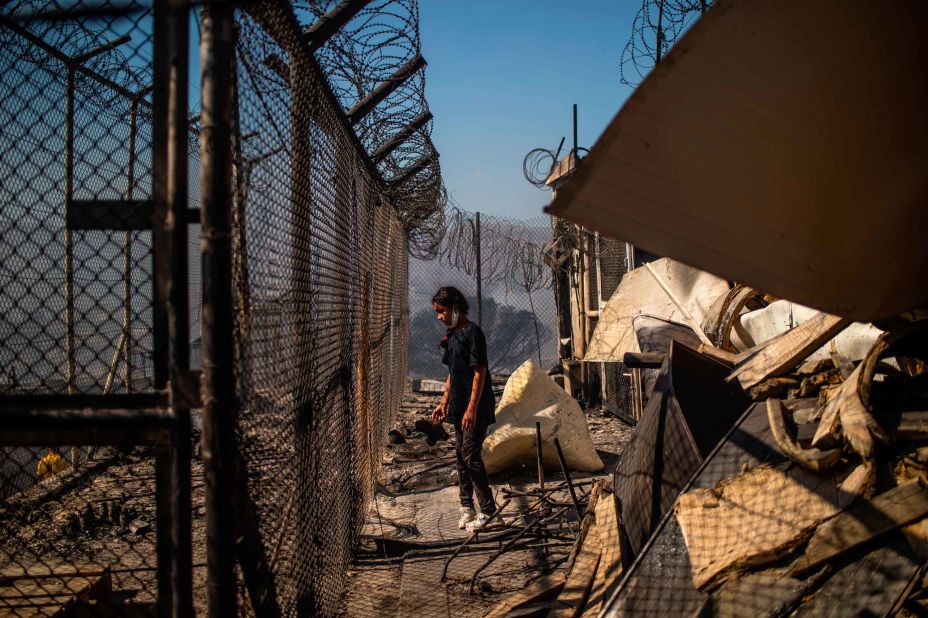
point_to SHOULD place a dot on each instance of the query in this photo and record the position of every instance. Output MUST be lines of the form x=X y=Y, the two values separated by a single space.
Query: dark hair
x=449 y=296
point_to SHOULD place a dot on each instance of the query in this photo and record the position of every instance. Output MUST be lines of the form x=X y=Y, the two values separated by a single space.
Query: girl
x=467 y=403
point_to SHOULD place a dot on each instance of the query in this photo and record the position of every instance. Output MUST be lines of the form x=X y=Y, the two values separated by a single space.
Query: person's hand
x=469 y=420
x=439 y=413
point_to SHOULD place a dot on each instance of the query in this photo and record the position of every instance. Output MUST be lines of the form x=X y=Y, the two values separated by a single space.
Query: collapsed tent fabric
x=757 y=151
x=532 y=396
x=640 y=293
x=756 y=327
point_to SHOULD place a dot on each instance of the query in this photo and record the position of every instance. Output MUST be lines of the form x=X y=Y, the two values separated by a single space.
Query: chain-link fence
x=80 y=520
x=102 y=297
x=516 y=303
x=516 y=307
x=321 y=317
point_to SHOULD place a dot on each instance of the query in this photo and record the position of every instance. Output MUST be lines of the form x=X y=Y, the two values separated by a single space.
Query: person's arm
x=470 y=416
x=441 y=410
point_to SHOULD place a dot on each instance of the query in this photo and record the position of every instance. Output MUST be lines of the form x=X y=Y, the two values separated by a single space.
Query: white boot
x=467 y=516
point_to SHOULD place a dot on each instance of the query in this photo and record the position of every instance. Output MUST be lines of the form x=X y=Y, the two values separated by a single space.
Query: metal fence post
x=217 y=64
x=479 y=274
x=68 y=238
x=171 y=315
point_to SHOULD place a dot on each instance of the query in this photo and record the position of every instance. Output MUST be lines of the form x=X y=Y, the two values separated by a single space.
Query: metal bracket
x=363 y=107
x=394 y=142
x=333 y=21
x=117 y=215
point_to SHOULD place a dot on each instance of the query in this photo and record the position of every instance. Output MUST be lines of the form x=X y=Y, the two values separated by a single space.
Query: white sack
x=532 y=396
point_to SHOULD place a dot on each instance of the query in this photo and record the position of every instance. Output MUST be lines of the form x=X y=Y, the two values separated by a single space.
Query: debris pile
x=813 y=501
x=781 y=459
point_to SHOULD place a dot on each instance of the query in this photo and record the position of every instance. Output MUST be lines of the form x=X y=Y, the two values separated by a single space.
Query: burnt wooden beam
x=325 y=28
x=397 y=140
x=363 y=107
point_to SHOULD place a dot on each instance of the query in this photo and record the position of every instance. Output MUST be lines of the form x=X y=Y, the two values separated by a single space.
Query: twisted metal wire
x=512 y=250
x=656 y=28
x=369 y=50
x=72 y=38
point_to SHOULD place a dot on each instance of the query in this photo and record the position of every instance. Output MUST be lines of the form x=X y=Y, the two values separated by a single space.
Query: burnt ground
x=104 y=515
x=416 y=508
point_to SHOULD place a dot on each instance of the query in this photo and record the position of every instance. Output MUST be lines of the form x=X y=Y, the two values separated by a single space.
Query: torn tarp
x=641 y=292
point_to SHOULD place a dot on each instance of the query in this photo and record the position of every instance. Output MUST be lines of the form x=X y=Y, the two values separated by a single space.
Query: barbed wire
x=512 y=250
x=73 y=38
x=656 y=28
x=370 y=49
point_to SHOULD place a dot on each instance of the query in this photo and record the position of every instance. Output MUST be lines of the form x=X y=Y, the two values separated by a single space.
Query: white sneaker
x=478 y=522
x=467 y=516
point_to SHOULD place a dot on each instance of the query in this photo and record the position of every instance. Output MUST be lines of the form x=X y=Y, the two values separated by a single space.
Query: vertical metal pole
x=541 y=469
x=570 y=483
x=598 y=251
x=562 y=291
x=241 y=171
x=69 y=244
x=68 y=238
x=583 y=303
x=574 y=151
x=127 y=247
x=479 y=274
x=219 y=405
x=164 y=497
x=164 y=544
x=178 y=298
x=660 y=31
x=303 y=94
x=170 y=314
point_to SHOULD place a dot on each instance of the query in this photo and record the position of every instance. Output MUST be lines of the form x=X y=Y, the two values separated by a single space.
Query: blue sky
x=501 y=80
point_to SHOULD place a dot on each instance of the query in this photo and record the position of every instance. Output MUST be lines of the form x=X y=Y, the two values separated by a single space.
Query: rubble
x=807 y=494
x=780 y=500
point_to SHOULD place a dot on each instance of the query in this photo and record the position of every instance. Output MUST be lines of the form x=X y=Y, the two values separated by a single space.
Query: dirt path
x=416 y=508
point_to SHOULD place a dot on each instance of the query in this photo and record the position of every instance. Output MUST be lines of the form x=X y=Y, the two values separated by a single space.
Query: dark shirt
x=466 y=349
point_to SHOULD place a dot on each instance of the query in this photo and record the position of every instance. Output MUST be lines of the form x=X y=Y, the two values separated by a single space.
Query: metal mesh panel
x=320 y=270
x=519 y=314
x=75 y=305
x=617 y=379
x=81 y=530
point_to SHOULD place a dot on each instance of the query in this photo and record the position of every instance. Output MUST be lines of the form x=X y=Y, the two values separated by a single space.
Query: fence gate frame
x=159 y=418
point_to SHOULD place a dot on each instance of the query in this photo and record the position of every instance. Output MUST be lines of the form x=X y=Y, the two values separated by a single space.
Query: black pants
x=472 y=476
